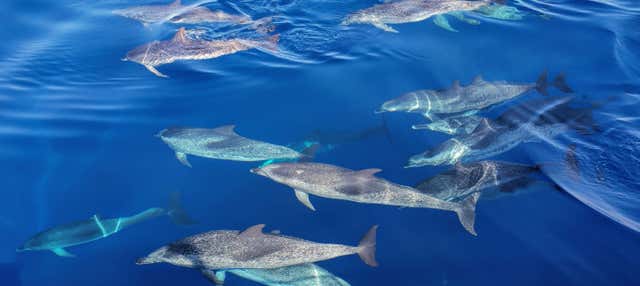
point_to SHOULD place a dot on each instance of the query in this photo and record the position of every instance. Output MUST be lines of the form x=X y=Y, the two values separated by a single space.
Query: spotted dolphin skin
x=58 y=238
x=307 y=274
x=465 y=100
x=205 y=15
x=452 y=125
x=362 y=186
x=408 y=11
x=150 y=14
x=253 y=249
x=490 y=178
x=181 y=47
x=221 y=143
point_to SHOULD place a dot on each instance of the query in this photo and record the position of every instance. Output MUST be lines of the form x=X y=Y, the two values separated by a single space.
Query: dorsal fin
x=478 y=79
x=253 y=231
x=180 y=36
x=483 y=126
x=176 y=3
x=226 y=130
x=455 y=85
x=368 y=172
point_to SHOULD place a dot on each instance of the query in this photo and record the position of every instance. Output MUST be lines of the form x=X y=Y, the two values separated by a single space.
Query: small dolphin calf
x=465 y=100
x=181 y=47
x=58 y=238
x=150 y=14
x=408 y=11
x=359 y=186
x=491 y=178
x=307 y=274
x=251 y=248
x=221 y=143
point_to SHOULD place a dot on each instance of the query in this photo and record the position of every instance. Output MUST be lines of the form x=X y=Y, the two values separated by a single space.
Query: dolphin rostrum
x=181 y=47
x=408 y=11
x=491 y=178
x=251 y=248
x=221 y=143
x=465 y=100
x=150 y=14
x=307 y=274
x=362 y=186
x=60 y=237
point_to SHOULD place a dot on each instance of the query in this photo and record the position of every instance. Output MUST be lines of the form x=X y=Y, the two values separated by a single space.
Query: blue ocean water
x=78 y=125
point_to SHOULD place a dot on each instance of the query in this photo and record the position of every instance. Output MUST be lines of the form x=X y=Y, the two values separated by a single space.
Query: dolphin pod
x=362 y=186
x=253 y=249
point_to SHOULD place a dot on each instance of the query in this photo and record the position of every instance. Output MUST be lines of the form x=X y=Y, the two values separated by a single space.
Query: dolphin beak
x=124 y=59
x=142 y=261
x=378 y=111
x=255 y=171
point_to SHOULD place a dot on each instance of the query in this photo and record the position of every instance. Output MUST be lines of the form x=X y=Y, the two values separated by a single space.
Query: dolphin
x=362 y=186
x=151 y=14
x=221 y=143
x=409 y=11
x=466 y=100
x=490 y=178
x=253 y=249
x=519 y=124
x=307 y=274
x=452 y=125
x=205 y=15
x=181 y=47
x=60 y=237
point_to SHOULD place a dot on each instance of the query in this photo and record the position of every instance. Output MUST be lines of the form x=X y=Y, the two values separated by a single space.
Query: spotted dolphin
x=205 y=15
x=466 y=100
x=409 y=11
x=181 y=47
x=150 y=14
x=58 y=238
x=253 y=249
x=362 y=186
x=221 y=143
x=452 y=125
x=307 y=274
x=490 y=178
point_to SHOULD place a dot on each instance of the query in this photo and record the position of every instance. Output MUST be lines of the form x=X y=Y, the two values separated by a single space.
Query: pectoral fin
x=155 y=71
x=442 y=22
x=384 y=27
x=216 y=277
x=182 y=157
x=304 y=199
x=62 y=252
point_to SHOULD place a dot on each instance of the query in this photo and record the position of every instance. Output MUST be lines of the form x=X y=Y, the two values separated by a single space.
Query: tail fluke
x=560 y=83
x=176 y=212
x=309 y=152
x=542 y=84
x=467 y=213
x=367 y=247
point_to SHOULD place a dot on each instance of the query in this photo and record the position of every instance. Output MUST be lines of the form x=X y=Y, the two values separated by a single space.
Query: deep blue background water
x=77 y=130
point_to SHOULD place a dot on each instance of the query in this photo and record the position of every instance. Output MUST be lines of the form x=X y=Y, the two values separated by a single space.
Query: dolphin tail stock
x=467 y=213
x=176 y=212
x=367 y=247
x=309 y=153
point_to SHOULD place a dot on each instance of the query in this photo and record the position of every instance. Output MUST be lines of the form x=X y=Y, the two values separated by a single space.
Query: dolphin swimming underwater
x=181 y=47
x=409 y=11
x=490 y=178
x=466 y=100
x=221 y=143
x=307 y=274
x=362 y=186
x=251 y=248
x=520 y=124
x=150 y=14
x=205 y=15
x=60 y=237
x=452 y=125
